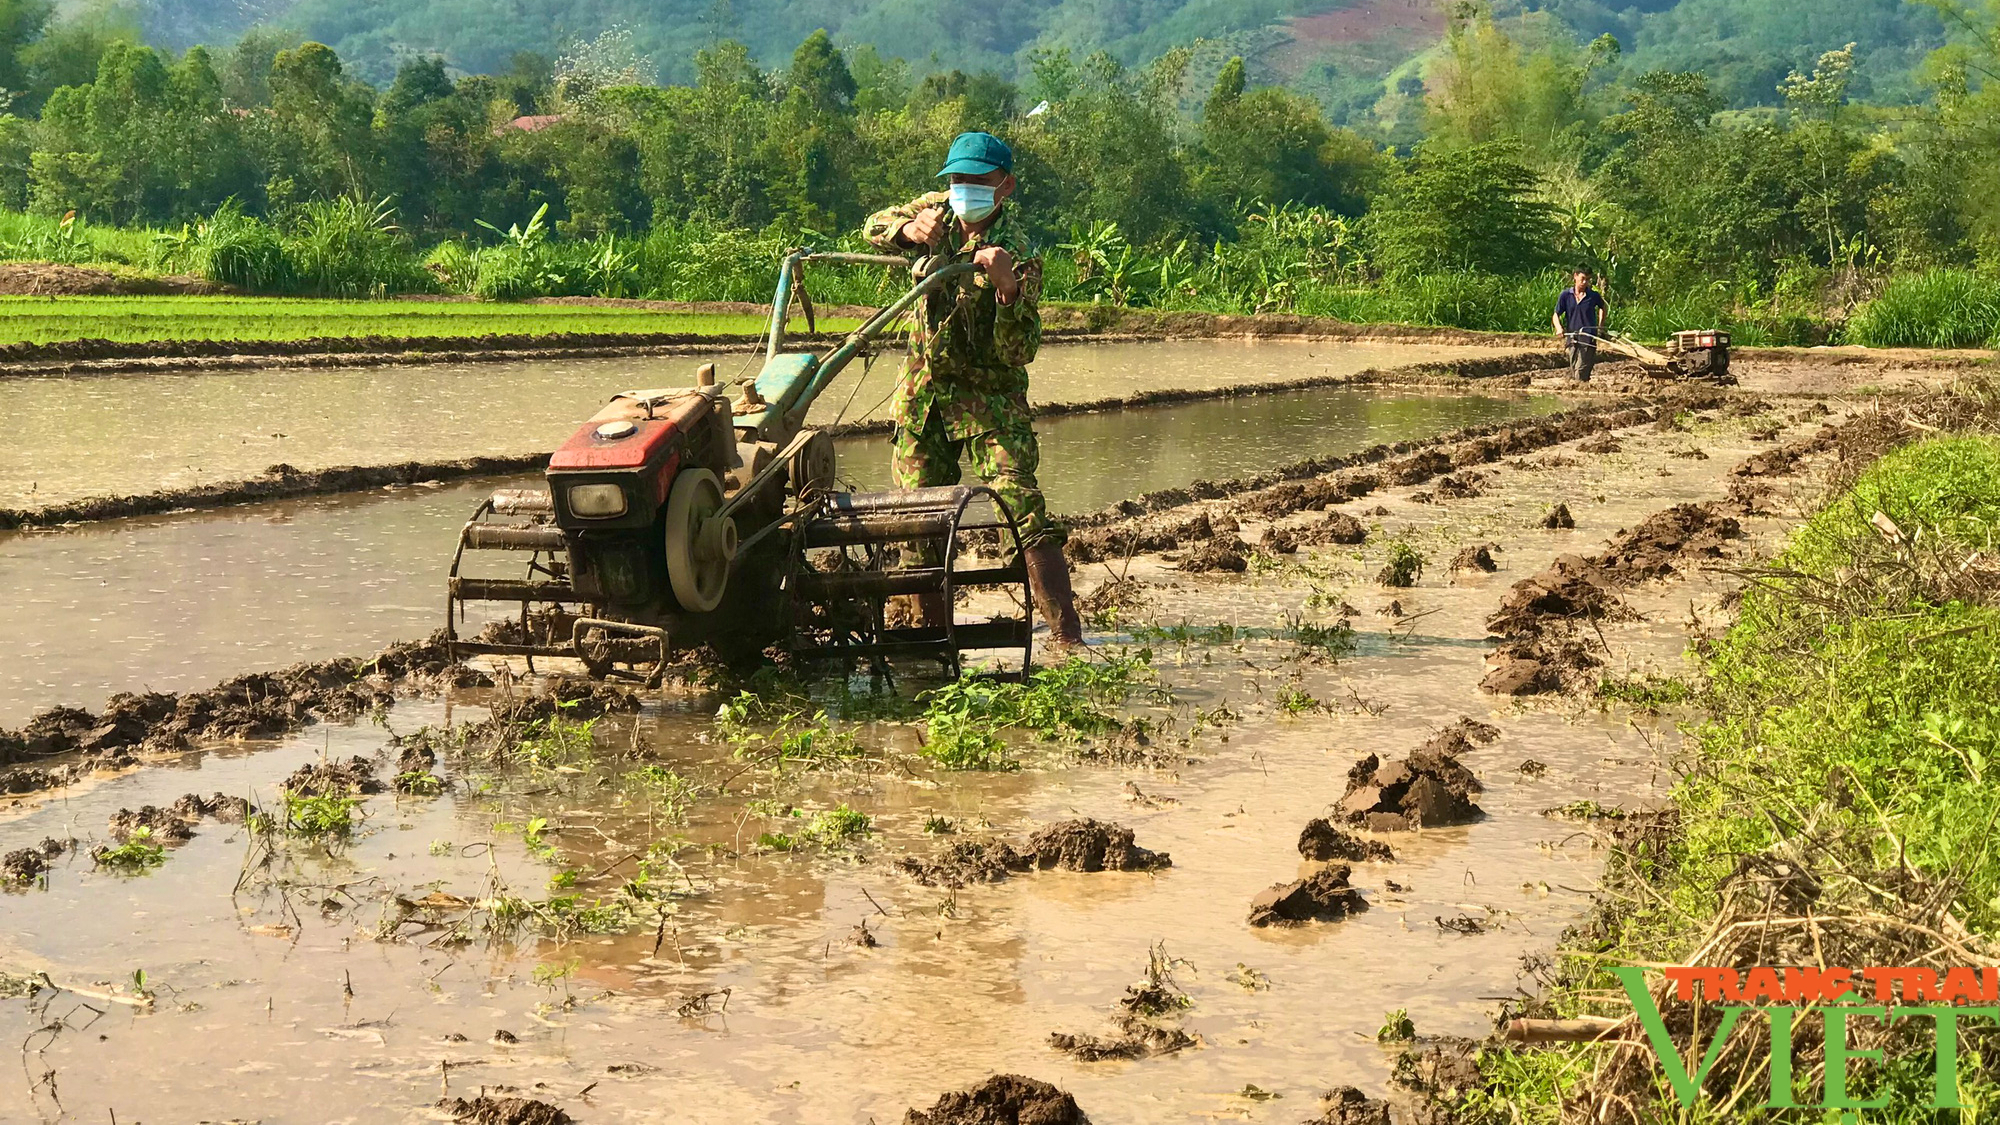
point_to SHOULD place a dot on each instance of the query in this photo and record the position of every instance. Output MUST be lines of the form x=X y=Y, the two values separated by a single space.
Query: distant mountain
x=1347 y=52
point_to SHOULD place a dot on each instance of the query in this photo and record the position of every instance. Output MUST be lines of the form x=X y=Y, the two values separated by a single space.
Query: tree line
x=266 y=162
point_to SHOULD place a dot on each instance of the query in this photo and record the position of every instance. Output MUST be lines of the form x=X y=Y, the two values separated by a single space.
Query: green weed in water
x=959 y=743
x=556 y=741
x=1296 y=700
x=832 y=828
x=1067 y=701
x=1405 y=565
x=1646 y=691
x=139 y=852
x=419 y=783
x=1397 y=1027
x=319 y=816
x=668 y=794
x=809 y=742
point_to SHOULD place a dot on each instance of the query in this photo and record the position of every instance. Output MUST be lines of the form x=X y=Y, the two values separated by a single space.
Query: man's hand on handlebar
x=999 y=267
x=924 y=230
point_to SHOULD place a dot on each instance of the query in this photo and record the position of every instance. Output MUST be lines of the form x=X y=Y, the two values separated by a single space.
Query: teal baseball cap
x=975 y=154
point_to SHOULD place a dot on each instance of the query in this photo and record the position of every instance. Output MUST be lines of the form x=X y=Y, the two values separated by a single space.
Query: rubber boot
x=1048 y=580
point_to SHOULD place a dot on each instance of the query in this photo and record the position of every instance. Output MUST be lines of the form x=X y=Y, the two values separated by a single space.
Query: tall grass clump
x=1934 y=309
x=328 y=248
x=229 y=248
x=349 y=248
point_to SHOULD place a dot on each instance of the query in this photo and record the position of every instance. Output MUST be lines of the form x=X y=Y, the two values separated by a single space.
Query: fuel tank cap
x=617 y=428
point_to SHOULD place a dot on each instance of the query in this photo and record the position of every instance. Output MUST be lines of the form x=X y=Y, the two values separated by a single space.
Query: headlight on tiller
x=597 y=501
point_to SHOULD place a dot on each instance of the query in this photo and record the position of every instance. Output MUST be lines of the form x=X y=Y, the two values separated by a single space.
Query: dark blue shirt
x=1580 y=314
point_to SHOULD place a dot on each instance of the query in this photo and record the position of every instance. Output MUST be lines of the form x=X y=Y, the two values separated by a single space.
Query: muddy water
x=179 y=602
x=257 y=1026
x=125 y=434
x=325 y=1023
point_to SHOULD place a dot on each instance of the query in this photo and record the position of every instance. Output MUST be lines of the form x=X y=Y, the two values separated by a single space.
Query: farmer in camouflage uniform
x=965 y=386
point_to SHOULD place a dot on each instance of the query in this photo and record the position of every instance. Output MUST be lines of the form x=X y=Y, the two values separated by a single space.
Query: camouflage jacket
x=969 y=353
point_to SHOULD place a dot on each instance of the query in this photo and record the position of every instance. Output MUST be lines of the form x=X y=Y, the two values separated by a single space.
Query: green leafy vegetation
x=1397 y=1027
x=557 y=742
x=1404 y=566
x=800 y=740
x=957 y=742
x=139 y=852
x=827 y=829
x=317 y=816
x=1065 y=701
x=668 y=795
x=1645 y=691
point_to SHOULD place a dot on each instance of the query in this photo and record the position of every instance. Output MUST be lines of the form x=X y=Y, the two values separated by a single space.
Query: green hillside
x=1348 y=54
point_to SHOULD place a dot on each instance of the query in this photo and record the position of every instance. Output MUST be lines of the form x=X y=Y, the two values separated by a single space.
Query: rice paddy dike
x=1351 y=728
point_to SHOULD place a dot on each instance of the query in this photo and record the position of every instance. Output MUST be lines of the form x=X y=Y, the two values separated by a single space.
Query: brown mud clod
x=1428 y=789
x=966 y=862
x=1321 y=840
x=1004 y=1099
x=1337 y=528
x=1136 y=1041
x=1477 y=557
x=258 y=705
x=1323 y=896
x=489 y=1110
x=1559 y=518
x=1072 y=845
x=1225 y=553
x=1346 y=1105
x=162 y=825
x=25 y=865
x=1092 y=845
x=334 y=778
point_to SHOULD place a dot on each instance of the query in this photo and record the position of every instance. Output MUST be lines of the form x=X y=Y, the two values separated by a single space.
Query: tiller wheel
x=855 y=551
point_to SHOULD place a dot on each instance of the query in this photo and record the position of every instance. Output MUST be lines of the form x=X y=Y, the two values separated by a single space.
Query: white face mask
x=972 y=202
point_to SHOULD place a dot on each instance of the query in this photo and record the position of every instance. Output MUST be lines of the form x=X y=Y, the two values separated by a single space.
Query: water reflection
x=123 y=434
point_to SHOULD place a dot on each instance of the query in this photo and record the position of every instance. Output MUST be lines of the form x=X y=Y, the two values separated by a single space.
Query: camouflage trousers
x=1004 y=458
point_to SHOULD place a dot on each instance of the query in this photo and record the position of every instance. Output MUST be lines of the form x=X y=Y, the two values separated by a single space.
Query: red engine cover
x=651 y=437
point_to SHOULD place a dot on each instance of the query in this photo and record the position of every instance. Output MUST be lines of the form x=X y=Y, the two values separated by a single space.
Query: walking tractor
x=1700 y=355
x=684 y=516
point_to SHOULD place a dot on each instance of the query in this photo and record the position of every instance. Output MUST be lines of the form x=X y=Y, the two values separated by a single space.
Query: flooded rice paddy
x=180 y=601
x=484 y=938
x=130 y=433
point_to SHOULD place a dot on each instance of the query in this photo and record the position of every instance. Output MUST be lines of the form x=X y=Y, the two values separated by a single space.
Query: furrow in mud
x=259 y=705
x=1540 y=623
x=1120 y=530
x=286 y=482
